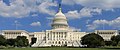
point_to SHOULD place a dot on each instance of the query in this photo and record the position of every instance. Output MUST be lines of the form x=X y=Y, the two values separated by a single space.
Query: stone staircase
x=41 y=44
x=38 y=43
x=76 y=44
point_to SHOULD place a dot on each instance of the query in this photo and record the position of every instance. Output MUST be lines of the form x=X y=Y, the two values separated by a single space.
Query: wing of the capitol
x=59 y=35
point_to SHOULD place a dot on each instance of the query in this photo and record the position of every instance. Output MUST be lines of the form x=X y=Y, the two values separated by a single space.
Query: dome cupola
x=59 y=21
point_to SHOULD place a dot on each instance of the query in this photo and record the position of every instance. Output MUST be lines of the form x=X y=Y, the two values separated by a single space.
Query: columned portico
x=57 y=38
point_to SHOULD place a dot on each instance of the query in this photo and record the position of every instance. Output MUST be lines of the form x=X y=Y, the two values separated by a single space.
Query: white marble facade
x=12 y=34
x=107 y=34
x=58 y=37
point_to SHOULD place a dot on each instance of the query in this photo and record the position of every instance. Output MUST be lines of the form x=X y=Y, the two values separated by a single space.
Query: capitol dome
x=60 y=21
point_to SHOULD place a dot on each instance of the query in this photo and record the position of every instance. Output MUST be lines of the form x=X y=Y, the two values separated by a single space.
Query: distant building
x=12 y=34
x=107 y=34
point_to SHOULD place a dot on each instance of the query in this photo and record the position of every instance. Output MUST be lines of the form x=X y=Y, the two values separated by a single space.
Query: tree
x=2 y=40
x=115 y=40
x=22 y=41
x=92 y=40
x=33 y=40
x=10 y=42
x=118 y=43
x=108 y=43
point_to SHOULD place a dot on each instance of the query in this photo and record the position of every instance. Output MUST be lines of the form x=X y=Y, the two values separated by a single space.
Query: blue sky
x=37 y=15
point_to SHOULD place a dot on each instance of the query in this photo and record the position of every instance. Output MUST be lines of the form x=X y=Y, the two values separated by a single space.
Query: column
x=52 y=35
x=57 y=35
x=63 y=36
x=60 y=35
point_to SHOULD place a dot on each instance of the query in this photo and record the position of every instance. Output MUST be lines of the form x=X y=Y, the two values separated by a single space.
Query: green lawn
x=59 y=48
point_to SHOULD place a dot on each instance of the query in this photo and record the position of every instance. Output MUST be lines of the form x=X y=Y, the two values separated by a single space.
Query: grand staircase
x=39 y=43
x=76 y=44
x=42 y=43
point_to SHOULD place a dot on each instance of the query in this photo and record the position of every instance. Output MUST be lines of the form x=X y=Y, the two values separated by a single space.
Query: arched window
x=62 y=42
x=59 y=42
x=56 y=42
x=53 y=42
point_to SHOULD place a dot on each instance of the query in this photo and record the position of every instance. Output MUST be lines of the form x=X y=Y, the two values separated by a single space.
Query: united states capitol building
x=59 y=35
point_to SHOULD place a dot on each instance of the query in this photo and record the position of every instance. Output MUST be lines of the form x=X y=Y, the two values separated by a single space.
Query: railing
x=41 y=42
x=78 y=43
x=38 y=43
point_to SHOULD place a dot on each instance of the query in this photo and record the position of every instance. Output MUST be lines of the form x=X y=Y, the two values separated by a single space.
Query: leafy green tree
x=33 y=40
x=114 y=43
x=118 y=43
x=108 y=43
x=2 y=40
x=92 y=40
x=10 y=42
x=22 y=41
x=115 y=40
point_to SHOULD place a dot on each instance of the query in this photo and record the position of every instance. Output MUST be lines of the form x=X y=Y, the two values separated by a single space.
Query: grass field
x=61 y=48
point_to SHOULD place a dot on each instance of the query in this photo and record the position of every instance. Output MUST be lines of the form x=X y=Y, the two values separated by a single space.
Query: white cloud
x=22 y=8
x=75 y=29
x=35 y=24
x=72 y=14
x=84 y=12
x=115 y=23
x=44 y=8
x=14 y=10
x=105 y=4
x=34 y=15
x=97 y=23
